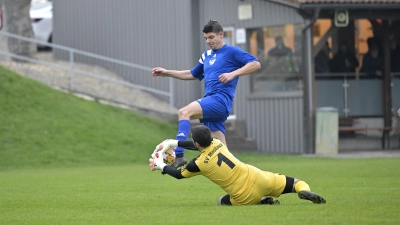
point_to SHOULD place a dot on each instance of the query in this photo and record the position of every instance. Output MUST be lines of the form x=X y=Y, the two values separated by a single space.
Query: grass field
x=64 y=160
x=358 y=191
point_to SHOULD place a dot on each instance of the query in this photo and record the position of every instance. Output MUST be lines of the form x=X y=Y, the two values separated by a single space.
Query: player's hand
x=398 y=112
x=226 y=77
x=159 y=147
x=157 y=162
x=151 y=163
x=159 y=72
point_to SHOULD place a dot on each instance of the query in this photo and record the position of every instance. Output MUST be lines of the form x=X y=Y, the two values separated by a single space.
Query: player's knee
x=184 y=113
x=294 y=184
x=300 y=185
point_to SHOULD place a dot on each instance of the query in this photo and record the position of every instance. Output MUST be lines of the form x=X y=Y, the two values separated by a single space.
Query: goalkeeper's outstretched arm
x=191 y=167
x=187 y=145
x=173 y=172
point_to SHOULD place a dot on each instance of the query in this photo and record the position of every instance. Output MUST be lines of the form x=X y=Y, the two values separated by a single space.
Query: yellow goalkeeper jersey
x=218 y=164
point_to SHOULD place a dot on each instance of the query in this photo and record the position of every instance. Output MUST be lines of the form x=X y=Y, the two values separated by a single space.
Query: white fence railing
x=78 y=75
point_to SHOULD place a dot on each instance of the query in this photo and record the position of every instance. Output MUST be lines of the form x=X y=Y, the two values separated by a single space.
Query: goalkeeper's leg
x=269 y=201
x=303 y=191
x=225 y=200
x=294 y=185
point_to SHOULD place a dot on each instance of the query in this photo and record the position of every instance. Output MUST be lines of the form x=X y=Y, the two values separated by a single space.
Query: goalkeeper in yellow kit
x=245 y=184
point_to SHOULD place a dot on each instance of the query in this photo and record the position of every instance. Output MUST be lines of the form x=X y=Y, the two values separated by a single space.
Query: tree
x=17 y=21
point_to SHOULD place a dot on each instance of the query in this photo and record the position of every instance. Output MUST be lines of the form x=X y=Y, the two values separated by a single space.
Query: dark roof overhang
x=350 y=4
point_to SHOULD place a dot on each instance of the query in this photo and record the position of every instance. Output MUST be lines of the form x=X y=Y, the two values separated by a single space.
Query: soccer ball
x=169 y=157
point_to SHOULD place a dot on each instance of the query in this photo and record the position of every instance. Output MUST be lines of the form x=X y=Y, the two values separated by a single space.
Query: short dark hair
x=202 y=135
x=213 y=26
x=278 y=38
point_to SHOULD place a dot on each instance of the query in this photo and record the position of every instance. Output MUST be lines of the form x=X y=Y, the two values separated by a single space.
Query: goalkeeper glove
x=167 y=144
x=164 y=146
x=157 y=162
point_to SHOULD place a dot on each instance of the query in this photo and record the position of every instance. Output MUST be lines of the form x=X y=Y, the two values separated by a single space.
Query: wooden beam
x=323 y=39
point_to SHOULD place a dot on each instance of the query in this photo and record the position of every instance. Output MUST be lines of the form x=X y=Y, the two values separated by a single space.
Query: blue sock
x=182 y=135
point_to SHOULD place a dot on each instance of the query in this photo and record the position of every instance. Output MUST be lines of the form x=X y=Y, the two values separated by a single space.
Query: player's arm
x=173 y=172
x=248 y=68
x=170 y=143
x=187 y=145
x=245 y=70
x=178 y=74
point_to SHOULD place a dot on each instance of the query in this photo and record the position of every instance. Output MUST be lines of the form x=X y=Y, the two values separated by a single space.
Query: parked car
x=41 y=15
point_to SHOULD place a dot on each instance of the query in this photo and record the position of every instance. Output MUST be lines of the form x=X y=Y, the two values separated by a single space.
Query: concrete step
x=241 y=144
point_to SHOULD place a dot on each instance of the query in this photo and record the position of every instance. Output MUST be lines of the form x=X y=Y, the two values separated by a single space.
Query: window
x=279 y=50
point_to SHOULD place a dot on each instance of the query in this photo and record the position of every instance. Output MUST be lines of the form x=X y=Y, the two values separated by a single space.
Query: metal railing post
x=346 y=85
x=71 y=70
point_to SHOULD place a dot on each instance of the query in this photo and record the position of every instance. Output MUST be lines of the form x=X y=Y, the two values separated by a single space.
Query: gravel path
x=92 y=88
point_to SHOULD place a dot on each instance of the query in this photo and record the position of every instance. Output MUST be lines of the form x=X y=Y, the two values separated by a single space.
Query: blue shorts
x=215 y=113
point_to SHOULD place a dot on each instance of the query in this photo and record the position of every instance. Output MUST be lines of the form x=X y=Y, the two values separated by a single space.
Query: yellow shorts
x=266 y=184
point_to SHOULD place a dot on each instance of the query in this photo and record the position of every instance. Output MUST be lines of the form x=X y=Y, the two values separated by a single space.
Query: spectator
x=344 y=60
x=280 y=58
x=280 y=49
x=375 y=41
x=322 y=59
x=372 y=63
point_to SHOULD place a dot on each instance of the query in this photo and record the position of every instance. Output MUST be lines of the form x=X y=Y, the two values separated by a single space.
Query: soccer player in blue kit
x=220 y=67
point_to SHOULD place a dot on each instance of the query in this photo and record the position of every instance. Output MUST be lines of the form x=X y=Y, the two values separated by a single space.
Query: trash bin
x=326 y=132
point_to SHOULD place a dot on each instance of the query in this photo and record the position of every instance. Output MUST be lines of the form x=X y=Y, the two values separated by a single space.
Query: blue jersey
x=213 y=63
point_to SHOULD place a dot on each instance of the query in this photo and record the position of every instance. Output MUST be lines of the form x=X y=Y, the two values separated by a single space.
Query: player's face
x=215 y=41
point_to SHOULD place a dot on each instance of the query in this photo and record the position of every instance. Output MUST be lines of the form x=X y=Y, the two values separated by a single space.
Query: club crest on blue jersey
x=212 y=60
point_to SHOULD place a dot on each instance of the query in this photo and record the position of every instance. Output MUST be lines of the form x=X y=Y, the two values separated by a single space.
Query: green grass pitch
x=358 y=191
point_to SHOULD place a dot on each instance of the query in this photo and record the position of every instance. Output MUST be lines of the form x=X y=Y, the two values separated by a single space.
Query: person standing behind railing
x=280 y=58
x=344 y=61
x=323 y=60
x=372 y=63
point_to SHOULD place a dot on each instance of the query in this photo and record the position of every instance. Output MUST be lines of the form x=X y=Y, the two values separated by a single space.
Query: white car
x=41 y=15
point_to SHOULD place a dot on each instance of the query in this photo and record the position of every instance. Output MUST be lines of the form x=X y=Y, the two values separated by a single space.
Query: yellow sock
x=301 y=185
